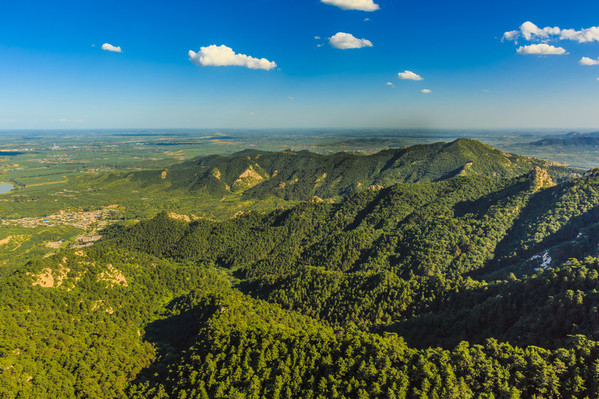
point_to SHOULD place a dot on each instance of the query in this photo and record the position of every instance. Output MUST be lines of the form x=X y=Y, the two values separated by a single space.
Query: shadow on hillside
x=543 y=311
x=538 y=204
x=577 y=238
x=481 y=205
x=172 y=336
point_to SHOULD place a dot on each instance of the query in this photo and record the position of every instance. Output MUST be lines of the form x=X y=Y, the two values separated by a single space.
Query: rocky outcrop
x=539 y=178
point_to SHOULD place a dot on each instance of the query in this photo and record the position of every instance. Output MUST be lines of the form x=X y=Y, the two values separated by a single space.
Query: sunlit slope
x=301 y=175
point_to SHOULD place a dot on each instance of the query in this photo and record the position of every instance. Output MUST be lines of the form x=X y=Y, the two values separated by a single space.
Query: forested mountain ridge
x=386 y=256
x=301 y=175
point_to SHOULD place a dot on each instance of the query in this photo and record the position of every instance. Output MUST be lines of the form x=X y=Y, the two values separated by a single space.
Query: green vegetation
x=302 y=175
x=436 y=271
x=251 y=350
x=72 y=323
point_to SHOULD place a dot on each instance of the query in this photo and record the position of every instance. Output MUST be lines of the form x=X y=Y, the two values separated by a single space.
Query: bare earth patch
x=6 y=240
x=49 y=278
x=251 y=173
x=99 y=304
x=113 y=276
x=249 y=178
x=177 y=216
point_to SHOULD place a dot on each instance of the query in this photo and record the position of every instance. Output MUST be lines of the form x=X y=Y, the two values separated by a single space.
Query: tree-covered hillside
x=387 y=256
x=301 y=175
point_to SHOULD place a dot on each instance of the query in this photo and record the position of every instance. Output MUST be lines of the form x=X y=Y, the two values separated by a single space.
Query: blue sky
x=54 y=73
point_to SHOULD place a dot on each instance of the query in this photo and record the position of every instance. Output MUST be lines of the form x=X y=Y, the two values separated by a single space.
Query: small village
x=84 y=220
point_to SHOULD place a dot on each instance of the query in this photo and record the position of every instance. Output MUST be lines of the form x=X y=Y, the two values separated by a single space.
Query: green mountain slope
x=247 y=349
x=120 y=324
x=383 y=256
x=302 y=175
x=409 y=228
x=541 y=310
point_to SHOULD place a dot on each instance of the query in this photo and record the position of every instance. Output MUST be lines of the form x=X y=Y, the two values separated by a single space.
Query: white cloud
x=530 y=32
x=214 y=55
x=426 y=91
x=540 y=49
x=316 y=37
x=581 y=36
x=346 y=41
x=588 y=61
x=409 y=75
x=362 y=5
x=511 y=35
x=390 y=84
x=110 y=47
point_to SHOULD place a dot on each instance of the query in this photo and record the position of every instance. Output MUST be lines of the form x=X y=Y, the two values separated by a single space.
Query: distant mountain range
x=569 y=140
x=574 y=141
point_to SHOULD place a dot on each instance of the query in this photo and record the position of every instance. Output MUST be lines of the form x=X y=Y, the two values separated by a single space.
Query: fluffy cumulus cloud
x=110 y=47
x=426 y=91
x=214 y=55
x=540 y=49
x=588 y=61
x=409 y=75
x=345 y=41
x=362 y=5
x=390 y=84
x=581 y=36
x=532 y=32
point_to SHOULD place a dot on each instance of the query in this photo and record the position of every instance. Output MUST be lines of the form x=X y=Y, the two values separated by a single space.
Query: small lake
x=4 y=188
